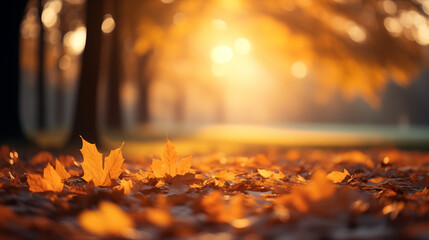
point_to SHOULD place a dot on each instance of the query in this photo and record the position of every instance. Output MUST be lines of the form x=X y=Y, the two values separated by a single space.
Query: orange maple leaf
x=59 y=168
x=168 y=165
x=51 y=181
x=93 y=168
x=108 y=220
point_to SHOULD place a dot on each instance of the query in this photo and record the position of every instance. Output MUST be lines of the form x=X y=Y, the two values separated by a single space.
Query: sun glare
x=222 y=54
x=299 y=69
x=242 y=46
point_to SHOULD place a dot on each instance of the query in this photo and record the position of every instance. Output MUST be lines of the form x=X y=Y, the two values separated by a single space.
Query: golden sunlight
x=242 y=46
x=222 y=54
x=299 y=69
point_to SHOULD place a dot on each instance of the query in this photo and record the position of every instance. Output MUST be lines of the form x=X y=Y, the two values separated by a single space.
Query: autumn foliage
x=287 y=191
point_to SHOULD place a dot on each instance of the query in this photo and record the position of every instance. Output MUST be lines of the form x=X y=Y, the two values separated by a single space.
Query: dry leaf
x=93 y=164
x=168 y=165
x=126 y=186
x=337 y=177
x=222 y=176
x=159 y=217
x=51 y=181
x=144 y=176
x=271 y=174
x=59 y=168
x=215 y=207
x=109 y=219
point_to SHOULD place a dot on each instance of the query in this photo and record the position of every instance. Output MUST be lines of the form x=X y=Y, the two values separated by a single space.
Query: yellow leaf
x=168 y=165
x=59 y=168
x=92 y=164
x=337 y=177
x=184 y=166
x=265 y=173
x=113 y=163
x=109 y=219
x=51 y=181
x=157 y=168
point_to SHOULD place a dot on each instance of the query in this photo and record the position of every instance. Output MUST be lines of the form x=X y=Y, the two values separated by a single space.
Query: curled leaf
x=337 y=177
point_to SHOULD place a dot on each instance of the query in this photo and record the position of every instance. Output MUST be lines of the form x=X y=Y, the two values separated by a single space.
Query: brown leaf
x=168 y=165
x=93 y=164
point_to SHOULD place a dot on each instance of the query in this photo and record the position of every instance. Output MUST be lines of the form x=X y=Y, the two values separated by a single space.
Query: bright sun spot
x=75 y=40
x=222 y=54
x=299 y=69
x=242 y=45
x=108 y=24
x=219 y=25
x=49 y=17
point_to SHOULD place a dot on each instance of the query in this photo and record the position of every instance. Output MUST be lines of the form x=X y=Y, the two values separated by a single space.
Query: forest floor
x=278 y=193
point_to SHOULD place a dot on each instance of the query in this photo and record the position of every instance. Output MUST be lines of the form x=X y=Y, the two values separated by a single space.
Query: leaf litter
x=293 y=193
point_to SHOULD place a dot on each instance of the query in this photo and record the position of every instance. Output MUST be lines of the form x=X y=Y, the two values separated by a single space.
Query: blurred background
x=216 y=72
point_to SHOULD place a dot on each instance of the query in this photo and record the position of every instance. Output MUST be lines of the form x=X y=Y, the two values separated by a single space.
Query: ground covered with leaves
x=280 y=194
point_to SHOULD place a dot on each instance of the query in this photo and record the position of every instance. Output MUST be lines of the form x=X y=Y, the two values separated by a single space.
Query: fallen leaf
x=159 y=217
x=222 y=176
x=144 y=176
x=51 y=181
x=337 y=177
x=59 y=168
x=125 y=185
x=109 y=219
x=271 y=174
x=168 y=165
x=93 y=164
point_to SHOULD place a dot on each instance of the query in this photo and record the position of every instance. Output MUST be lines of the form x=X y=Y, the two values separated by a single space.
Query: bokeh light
x=242 y=45
x=299 y=69
x=219 y=25
x=222 y=54
x=75 y=40
x=108 y=24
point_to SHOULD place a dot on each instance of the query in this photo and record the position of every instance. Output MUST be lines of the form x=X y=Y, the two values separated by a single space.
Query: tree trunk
x=41 y=73
x=144 y=79
x=114 y=119
x=85 y=114
x=11 y=18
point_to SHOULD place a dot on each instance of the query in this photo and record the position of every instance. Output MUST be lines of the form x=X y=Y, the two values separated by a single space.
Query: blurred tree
x=85 y=122
x=41 y=71
x=114 y=120
x=11 y=17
